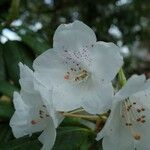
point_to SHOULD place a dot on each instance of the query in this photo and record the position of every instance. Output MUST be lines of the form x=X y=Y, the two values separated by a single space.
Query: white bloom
x=33 y=113
x=127 y=127
x=77 y=67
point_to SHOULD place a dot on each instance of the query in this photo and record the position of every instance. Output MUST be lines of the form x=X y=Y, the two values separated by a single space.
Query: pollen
x=83 y=75
x=142 y=109
x=136 y=136
x=77 y=75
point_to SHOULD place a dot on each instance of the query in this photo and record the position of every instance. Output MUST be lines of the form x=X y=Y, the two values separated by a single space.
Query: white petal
x=24 y=114
x=100 y=100
x=26 y=77
x=25 y=71
x=116 y=135
x=29 y=95
x=47 y=138
x=143 y=99
x=73 y=36
x=19 y=120
x=134 y=84
x=67 y=97
x=49 y=69
x=32 y=99
x=47 y=100
x=47 y=61
x=105 y=61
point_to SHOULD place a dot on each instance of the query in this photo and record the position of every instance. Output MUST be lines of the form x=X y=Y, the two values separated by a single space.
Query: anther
x=143 y=121
x=138 y=110
x=142 y=116
x=41 y=112
x=127 y=124
x=142 y=109
x=139 y=119
x=130 y=124
x=47 y=115
x=137 y=136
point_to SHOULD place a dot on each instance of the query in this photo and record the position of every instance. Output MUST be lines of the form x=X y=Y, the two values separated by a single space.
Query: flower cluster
x=77 y=74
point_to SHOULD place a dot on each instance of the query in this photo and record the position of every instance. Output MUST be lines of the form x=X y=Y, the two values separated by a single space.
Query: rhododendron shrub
x=69 y=97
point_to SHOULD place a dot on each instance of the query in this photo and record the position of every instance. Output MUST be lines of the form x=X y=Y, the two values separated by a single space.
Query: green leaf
x=73 y=138
x=6 y=133
x=72 y=122
x=15 y=52
x=7 y=89
x=2 y=65
x=13 y=11
x=37 y=44
x=24 y=143
x=6 y=111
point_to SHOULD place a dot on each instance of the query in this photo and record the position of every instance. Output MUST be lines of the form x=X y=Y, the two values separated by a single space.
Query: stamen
x=133 y=115
x=77 y=75
x=42 y=114
x=142 y=109
x=143 y=121
x=136 y=136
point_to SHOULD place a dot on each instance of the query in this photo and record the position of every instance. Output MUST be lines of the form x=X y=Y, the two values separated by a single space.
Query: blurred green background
x=27 y=28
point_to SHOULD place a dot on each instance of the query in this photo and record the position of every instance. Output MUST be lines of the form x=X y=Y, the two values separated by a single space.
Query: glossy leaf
x=37 y=44
x=15 y=52
x=6 y=111
x=73 y=138
x=7 y=89
x=2 y=65
x=24 y=143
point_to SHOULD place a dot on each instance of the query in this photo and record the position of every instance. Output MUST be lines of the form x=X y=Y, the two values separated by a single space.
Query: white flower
x=77 y=67
x=33 y=112
x=127 y=127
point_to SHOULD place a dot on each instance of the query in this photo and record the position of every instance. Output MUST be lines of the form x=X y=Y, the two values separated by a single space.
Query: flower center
x=133 y=113
x=74 y=60
x=42 y=114
x=77 y=75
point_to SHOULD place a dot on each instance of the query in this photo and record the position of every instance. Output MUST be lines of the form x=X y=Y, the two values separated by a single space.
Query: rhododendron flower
x=77 y=67
x=32 y=114
x=127 y=127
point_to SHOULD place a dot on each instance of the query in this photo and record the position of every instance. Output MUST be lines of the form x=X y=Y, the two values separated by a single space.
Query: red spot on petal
x=66 y=77
x=33 y=122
